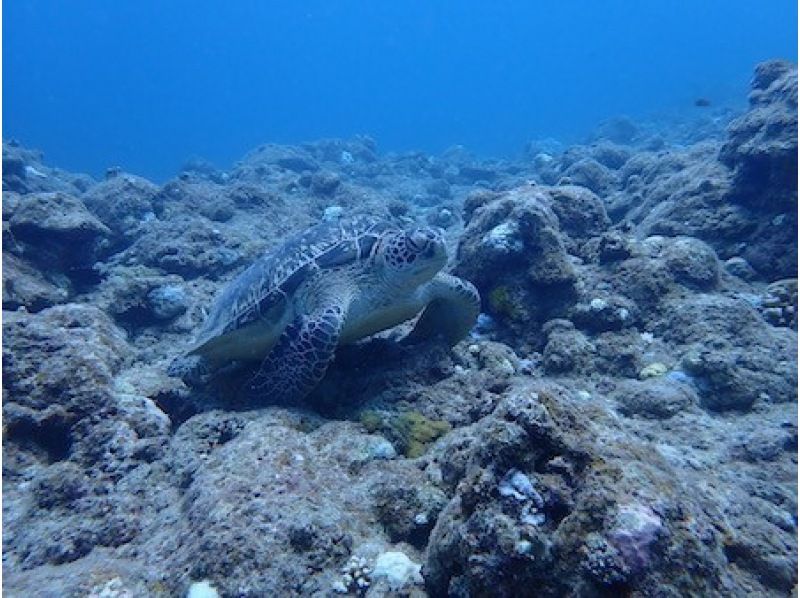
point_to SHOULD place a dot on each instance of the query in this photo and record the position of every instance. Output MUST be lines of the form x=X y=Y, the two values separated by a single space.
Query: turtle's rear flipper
x=451 y=312
x=299 y=360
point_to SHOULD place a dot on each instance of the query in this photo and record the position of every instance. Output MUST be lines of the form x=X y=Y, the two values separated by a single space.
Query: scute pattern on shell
x=278 y=274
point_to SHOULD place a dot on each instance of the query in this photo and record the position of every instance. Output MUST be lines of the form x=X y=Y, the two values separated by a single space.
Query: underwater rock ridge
x=614 y=413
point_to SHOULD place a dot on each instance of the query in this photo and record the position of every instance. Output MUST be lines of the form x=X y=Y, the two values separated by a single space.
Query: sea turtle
x=335 y=283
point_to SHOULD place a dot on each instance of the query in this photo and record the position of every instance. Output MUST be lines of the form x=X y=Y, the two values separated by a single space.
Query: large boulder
x=188 y=247
x=735 y=358
x=550 y=497
x=591 y=174
x=122 y=202
x=515 y=250
x=58 y=369
x=277 y=505
x=82 y=438
x=25 y=286
x=55 y=230
x=762 y=151
x=762 y=144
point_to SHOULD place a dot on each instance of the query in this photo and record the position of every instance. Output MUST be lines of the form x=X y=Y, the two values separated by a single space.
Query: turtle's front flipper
x=303 y=352
x=453 y=306
x=299 y=360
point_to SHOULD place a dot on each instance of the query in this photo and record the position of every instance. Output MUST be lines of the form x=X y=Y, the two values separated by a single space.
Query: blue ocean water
x=146 y=84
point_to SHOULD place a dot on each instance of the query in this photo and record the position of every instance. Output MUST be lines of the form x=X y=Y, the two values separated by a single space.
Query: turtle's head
x=414 y=256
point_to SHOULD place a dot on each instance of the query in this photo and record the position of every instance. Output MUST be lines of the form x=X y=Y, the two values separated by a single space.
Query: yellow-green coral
x=503 y=303
x=371 y=420
x=654 y=370
x=416 y=432
x=410 y=431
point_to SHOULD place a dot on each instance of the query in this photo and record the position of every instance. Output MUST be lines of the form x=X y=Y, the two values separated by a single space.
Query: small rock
x=397 y=569
x=693 y=263
x=202 y=589
x=382 y=449
x=484 y=325
x=325 y=182
x=113 y=588
x=655 y=398
x=598 y=304
x=523 y=547
x=332 y=213
x=445 y=217
x=542 y=159
x=167 y=302
x=517 y=485
x=637 y=528
x=740 y=267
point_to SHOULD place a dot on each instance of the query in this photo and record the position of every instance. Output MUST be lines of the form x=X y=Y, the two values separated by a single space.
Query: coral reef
x=622 y=420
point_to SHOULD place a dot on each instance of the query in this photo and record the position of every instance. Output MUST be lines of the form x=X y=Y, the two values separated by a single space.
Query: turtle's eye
x=422 y=239
x=417 y=240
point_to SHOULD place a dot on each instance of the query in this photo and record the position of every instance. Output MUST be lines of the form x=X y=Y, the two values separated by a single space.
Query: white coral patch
x=397 y=569
x=504 y=237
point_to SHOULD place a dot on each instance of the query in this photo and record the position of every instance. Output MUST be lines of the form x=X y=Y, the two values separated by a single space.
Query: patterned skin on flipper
x=300 y=359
